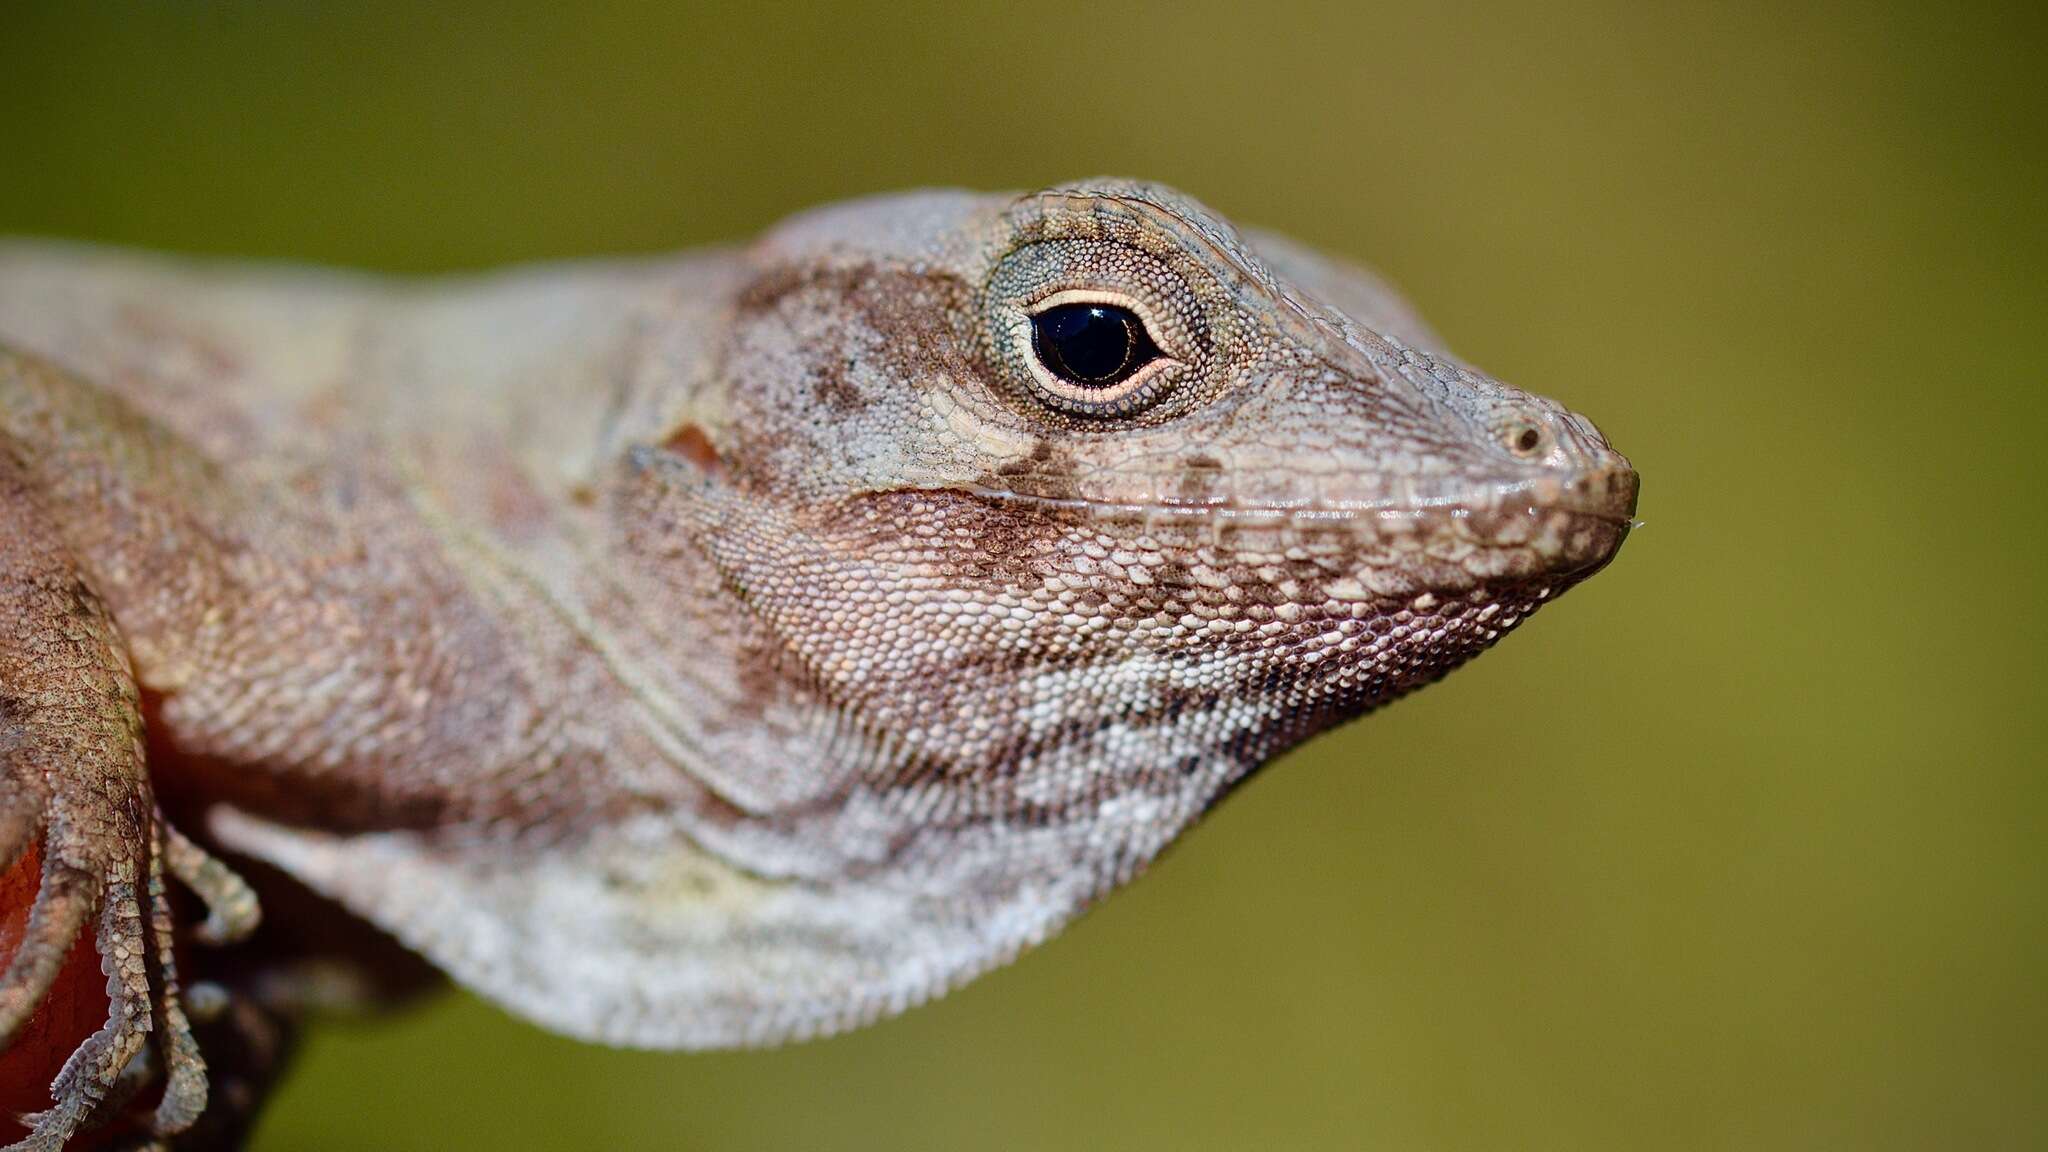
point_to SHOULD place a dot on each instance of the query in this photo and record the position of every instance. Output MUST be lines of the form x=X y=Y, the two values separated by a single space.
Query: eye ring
x=1090 y=378
x=1183 y=312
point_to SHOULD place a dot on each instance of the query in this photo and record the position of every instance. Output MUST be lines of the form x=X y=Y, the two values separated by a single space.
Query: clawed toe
x=94 y=1068
x=63 y=902
x=21 y=808
x=231 y=909
x=132 y=937
x=185 y=1085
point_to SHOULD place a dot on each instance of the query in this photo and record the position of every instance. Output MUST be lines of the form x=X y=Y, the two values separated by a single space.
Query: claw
x=93 y=1070
x=134 y=944
x=185 y=1071
x=231 y=909
x=61 y=907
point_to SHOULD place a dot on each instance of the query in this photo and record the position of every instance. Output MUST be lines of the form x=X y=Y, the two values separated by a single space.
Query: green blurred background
x=1741 y=846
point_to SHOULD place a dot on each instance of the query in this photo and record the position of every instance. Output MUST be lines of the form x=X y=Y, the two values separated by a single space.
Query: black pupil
x=1091 y=344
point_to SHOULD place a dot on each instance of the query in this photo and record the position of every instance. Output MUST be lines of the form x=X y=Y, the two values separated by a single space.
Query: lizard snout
x=1574 y=496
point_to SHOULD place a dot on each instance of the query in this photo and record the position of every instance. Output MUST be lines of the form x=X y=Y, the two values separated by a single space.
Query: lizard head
x=1093 y=440
x=1041 y=521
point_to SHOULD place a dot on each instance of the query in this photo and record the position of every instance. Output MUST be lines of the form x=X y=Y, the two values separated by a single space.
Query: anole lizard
x=713 y=650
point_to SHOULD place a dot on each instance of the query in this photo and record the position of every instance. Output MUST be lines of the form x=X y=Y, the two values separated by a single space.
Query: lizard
x=718 y=649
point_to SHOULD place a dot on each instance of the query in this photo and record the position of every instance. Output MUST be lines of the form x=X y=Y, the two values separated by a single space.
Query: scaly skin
x=724 y=649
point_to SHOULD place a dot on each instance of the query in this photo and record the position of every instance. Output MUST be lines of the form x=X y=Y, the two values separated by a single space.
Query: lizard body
x=728 y=648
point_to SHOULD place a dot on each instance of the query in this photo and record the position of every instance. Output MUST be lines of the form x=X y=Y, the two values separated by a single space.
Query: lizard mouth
x=1558 y=524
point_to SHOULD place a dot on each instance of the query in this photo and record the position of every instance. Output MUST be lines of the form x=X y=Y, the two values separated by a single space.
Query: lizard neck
x=505 y=397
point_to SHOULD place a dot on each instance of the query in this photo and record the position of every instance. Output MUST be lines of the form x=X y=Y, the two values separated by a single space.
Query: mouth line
x=1543 y=497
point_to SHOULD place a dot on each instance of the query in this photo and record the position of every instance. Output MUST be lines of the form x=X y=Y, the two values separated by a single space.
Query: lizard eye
x=1091 y=345
x=1098 y=336
x=1095 y=353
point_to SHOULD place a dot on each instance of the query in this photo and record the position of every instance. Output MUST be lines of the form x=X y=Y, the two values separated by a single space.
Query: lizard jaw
x=1561 y=526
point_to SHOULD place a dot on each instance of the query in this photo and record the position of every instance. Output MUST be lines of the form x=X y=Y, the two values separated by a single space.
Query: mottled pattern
x=740 y=647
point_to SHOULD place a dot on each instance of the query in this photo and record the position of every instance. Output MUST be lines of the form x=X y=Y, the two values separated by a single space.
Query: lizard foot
x=103 y=863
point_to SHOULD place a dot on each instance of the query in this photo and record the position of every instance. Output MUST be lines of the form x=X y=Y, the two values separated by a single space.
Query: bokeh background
x=1740 y=846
